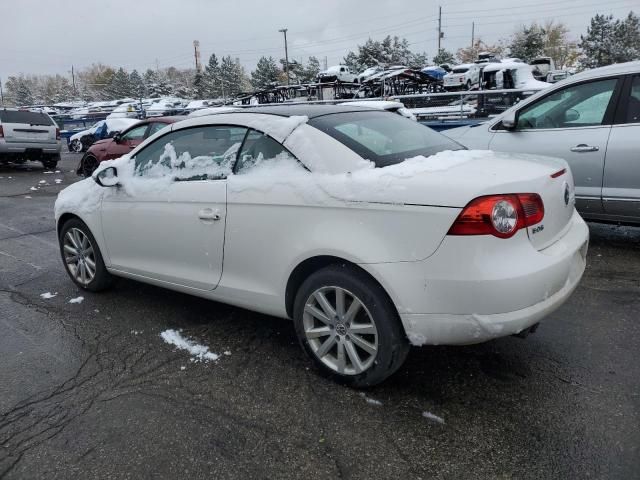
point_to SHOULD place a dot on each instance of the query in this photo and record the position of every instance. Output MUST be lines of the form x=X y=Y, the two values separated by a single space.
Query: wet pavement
x=90 y=390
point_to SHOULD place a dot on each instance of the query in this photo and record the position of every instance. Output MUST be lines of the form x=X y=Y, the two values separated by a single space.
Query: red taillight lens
x=58 y=136
x=499 y=215
x=1 y=132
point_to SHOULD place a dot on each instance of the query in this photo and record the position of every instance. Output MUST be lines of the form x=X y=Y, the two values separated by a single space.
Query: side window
x=136 y=133
x=580 y=105
x=633 y=106
x=258 y=148
x=155 y=127
x=197 y=153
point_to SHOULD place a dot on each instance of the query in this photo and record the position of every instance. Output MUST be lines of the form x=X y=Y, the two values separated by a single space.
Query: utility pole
x=325 y=62
x=439 y=27
x=196 y=53
x=73 y=82
x=286 y=54
x=1 y=94
x=473 y=40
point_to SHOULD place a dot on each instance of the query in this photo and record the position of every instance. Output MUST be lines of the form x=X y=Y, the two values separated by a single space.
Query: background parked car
x=592 y=120
x=27 y=135
x=121 y=143
x=337 y=72
x=463 y=76
x=81 y=141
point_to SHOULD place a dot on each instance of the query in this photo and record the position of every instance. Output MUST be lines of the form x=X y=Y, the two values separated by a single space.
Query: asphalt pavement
x=90 y=390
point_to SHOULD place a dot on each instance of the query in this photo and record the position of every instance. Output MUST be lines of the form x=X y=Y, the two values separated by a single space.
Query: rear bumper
x=19 y=148
x=475 y=289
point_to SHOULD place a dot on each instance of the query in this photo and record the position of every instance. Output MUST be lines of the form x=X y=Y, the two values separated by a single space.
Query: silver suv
x=592 y=120
x=27 y=135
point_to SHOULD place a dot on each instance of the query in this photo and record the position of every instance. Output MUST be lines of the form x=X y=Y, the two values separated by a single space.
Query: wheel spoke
x=69 y=249
x=313 y=311
x=89 y=250
x=353 y=356
x=318 y=332
x=342 y=363
x=78 y=240
x=339 y=302
x=354 y=308
x=84 y=241
x=91 y=271
x=83 y=273
x=71 y=259
x=363 y=344
x=324 y=304
x=72 y=239
x=362 y=328
x=326 y=346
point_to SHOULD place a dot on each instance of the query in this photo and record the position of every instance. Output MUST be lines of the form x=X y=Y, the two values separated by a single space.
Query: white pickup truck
x=337 y=72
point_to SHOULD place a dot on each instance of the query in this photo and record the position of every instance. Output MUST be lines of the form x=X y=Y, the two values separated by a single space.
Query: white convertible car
x=370 y=231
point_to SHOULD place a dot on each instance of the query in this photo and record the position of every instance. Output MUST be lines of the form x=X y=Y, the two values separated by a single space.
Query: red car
x=122 y=143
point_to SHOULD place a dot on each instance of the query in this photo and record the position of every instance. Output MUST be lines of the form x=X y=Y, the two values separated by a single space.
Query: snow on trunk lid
x=558 y=195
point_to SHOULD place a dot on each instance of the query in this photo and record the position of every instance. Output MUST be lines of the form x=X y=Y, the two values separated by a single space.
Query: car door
x=572 y=123
x=126 y=141
x=168 y=222
x=621 y=187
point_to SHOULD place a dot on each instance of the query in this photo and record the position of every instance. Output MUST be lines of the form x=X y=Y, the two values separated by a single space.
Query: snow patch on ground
x=76 y=300
x=433 y=417
x=371 y=401
x=47 y=295
x=198 y=352
x=417 y=339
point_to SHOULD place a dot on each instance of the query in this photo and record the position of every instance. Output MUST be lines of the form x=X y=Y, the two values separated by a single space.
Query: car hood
x=102 y=142
x=449 y=179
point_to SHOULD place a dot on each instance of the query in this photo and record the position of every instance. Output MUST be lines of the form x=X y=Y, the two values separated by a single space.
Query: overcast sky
x=48 y=36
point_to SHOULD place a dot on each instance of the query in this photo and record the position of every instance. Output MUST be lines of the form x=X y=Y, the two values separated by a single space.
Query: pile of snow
x=47 y=295
x=199 y=352
x=371 y=401
x=76 y=300
x=433 y=417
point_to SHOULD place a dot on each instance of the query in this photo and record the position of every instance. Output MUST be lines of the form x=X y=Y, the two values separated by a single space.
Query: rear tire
x=75 y=146
x=51 y=163
x=349 y=327
x=82 y=257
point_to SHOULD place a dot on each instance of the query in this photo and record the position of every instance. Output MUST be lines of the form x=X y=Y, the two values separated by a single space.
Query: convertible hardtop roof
x=311 y=110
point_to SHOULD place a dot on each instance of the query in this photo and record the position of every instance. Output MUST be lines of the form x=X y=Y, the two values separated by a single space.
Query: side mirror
x=107 y=177
x=510 y=120
x=571 y=115
x=117 y=137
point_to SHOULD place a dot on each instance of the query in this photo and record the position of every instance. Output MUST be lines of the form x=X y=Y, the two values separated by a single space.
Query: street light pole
x=286 y=53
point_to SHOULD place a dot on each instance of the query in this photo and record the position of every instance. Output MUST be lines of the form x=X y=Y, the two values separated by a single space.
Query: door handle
x=583 y=147
x=209 y=214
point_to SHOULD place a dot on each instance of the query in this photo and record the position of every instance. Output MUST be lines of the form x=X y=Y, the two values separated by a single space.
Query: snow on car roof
x=494 y=67
x=310 y=111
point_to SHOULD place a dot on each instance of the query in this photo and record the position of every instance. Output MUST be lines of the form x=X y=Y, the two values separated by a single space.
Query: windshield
x=23 y=116
x=383 y=137
x=460 y=70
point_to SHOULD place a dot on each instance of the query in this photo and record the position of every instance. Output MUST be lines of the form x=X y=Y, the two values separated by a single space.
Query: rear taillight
x=499 y=215
x=1 y=132
x=58 y=136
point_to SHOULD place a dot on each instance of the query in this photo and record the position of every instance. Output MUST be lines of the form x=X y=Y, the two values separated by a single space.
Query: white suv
x=463 y=76
x=27 y=135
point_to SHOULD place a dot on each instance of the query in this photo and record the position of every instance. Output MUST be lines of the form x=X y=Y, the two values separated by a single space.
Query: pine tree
x=137 y=85
x=627 y=39
x=444 y=56
x=265 y=74
x=119 y=87
x=212 y=82
x=311 y=70
x=199 y=87
x=598 y=45
x=528 y=43
x=23 y=95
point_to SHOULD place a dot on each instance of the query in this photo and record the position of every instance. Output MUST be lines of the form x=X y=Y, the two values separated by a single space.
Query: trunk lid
x=24 y=126
x=454 y=178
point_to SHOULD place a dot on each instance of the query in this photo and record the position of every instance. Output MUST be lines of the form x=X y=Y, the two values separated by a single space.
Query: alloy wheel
x=340 y=330
x=79 y=256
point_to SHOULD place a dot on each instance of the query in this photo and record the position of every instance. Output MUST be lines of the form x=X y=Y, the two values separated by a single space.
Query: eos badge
x=567 y=194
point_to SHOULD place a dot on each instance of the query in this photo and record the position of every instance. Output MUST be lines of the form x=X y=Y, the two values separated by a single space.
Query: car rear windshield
x=384 y=138
x=460 y=70
x=20 y=116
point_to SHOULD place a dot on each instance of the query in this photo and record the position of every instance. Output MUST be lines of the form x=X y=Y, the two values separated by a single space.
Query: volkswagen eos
x=370 y=231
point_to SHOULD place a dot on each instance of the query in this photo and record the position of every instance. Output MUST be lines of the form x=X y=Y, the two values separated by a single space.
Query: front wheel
x=82 y=258
x=75 y=146
x=468 y=84
x=348 y=326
